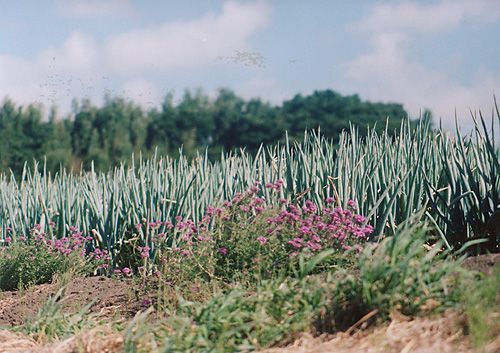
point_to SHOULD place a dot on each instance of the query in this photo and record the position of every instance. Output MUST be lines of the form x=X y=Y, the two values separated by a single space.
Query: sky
x=439 y=55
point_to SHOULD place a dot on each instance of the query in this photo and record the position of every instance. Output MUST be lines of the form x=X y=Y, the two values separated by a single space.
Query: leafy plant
x=51 y=323
x=239 y=321
x=465 y=199
x=481 y=302
x=400 y=273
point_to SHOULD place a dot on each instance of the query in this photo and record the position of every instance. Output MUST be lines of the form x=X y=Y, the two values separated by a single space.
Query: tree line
x=111 y=134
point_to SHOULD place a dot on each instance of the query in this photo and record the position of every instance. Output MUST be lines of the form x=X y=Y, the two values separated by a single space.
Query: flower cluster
x=248 y=234
x=332 y=228
x=36 y=258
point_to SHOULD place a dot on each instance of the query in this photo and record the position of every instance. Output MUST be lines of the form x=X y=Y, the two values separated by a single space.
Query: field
x=374 y=243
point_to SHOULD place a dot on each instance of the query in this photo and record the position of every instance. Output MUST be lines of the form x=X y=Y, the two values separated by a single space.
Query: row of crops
x=453 y=181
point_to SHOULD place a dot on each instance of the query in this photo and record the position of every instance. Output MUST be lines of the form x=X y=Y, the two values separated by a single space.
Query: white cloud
x=444 y=15
x=55 y=75
x=187 y=44
x=94 y=8
x=78 y=52
x=385 y=59
x=387 y=70
x=267 y=89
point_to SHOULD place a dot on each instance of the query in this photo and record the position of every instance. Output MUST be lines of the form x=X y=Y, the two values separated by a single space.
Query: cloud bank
x=390 y=70
x=85 y=67
x=187 y=44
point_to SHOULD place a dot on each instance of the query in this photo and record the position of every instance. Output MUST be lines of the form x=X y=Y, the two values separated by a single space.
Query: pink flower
x=117 y=271
x=259 y=201
x=305 y=230
x=126 y=270
x=222 y=251
x=262 y=240
x=313 y=246
x=254 y=189
x=8 y=239
x=296 y=243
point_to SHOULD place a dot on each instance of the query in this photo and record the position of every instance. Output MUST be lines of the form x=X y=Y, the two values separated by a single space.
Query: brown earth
x=119 y=298
x=112 y=296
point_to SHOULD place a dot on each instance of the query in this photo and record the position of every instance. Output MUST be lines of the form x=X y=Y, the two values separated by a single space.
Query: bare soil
x=121 y=298
x=113 y=296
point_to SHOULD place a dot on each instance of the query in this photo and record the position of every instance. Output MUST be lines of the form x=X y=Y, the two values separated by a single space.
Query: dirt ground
x=117 y=298
x=113 y=296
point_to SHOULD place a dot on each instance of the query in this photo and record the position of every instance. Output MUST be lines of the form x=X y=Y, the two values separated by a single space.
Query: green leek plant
x=389 y=178
x=465 y=200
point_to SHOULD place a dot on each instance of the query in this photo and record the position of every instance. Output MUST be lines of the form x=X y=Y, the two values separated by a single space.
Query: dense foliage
x=110 y=134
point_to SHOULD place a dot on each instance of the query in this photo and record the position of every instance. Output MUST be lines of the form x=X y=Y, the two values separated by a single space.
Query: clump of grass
x=51 y=323
x=400 y=273
x=240 y=320
x=481 y=303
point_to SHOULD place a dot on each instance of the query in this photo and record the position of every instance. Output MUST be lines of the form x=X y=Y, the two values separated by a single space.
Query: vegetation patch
x=254 y=252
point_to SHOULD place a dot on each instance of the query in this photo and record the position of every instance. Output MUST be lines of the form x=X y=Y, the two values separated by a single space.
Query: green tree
x=160 y=131
x=57 y=143
x=333 y=113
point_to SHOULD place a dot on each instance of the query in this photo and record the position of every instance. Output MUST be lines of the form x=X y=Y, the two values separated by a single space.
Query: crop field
x=255 y=252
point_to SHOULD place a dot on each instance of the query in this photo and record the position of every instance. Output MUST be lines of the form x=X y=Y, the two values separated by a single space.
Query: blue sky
x=442 y=55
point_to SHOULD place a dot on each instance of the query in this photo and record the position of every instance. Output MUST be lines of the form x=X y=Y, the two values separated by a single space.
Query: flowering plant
x=36 y=259
x=248 y=235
